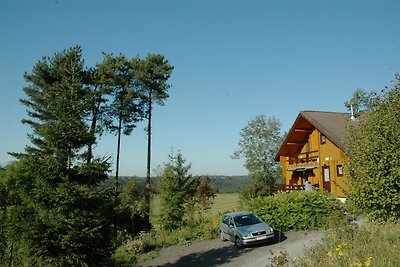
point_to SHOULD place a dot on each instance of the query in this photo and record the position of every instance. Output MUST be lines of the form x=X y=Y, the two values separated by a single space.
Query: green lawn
x=223 y=202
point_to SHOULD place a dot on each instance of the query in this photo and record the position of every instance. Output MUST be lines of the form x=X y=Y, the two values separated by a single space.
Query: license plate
x=261 y=238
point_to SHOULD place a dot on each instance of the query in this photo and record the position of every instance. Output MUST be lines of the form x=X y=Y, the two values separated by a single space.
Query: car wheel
x=238 y=242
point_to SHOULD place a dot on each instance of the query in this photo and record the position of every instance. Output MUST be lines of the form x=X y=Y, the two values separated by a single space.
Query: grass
x=369 y=245
x=223 y=202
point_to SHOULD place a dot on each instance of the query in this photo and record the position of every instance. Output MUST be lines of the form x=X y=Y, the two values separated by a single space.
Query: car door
x=225 y=226
x=231 y=229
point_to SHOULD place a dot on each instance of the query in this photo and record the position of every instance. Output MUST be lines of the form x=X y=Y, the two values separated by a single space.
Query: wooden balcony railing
x=304 y=157
x=287 y=187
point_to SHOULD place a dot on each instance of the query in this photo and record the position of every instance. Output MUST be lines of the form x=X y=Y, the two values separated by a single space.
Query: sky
x=233 y=60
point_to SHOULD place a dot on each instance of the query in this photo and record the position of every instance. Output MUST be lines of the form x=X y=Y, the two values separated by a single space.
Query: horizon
x=233 y=61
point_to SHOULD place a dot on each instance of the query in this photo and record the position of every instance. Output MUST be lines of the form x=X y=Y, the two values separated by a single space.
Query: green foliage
x=177 y=188
x=131 y=208
x=181 y=194
x=58 y=218
x=362 y=101
x=56 y=102
x=374 y=145
x=259 y=142
x=297 y=210
x=368 y=245
x=143 y=246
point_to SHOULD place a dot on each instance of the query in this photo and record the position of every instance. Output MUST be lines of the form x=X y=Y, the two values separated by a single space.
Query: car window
x=225 y=220
x=247 y=219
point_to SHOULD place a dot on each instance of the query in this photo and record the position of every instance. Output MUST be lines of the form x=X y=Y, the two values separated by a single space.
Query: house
x=314 y=152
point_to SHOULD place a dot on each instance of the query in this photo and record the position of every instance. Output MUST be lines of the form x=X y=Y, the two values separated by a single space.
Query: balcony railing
x=304 y=157
x=287 y=187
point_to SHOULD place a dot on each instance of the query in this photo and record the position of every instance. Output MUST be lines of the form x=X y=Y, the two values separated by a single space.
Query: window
x=339 y=170
x=323 y=139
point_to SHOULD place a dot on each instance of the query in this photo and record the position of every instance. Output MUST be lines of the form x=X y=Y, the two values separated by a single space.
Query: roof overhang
x=302 y=168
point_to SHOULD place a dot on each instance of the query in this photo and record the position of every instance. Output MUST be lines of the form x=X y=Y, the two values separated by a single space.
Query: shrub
x=369 y=245
x=298 y=210
x=374 y=146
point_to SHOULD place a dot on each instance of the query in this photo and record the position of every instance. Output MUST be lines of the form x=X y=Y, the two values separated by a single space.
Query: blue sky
x=233 y=59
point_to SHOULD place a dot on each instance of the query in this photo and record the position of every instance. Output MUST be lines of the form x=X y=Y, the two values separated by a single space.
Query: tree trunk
x=118 y=149
x=148 y=176
x=92 y=133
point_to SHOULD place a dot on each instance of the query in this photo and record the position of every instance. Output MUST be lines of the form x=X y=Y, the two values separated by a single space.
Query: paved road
x=218 y=253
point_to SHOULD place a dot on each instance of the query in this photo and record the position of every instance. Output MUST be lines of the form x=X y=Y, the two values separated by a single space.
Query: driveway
x=218 y=253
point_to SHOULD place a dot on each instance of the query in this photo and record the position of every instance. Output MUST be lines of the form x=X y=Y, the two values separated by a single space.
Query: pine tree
x=152 y=74
x=61 y=216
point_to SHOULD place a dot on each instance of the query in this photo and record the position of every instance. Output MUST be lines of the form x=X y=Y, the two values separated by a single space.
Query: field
x=223 y=202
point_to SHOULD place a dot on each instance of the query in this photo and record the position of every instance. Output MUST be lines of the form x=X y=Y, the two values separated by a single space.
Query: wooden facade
x=314 y=151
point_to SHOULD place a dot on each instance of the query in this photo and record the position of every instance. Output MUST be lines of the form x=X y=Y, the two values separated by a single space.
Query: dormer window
x=323 y=139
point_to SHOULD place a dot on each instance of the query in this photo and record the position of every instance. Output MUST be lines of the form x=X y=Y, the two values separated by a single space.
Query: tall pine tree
x=62 y=217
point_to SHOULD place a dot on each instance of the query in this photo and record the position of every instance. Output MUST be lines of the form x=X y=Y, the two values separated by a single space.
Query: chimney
x=352 y=112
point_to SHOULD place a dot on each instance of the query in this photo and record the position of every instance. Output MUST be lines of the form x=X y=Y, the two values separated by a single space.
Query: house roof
x=331 y=124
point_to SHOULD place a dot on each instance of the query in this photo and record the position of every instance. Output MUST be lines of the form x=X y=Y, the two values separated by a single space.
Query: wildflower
x=295 y=258
x=340 y=253
x=368 y=262
x=329 y=254
x=358 y=264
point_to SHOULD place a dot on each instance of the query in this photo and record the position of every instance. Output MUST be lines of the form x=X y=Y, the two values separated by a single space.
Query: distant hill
x=227 y=184
x=224 y=184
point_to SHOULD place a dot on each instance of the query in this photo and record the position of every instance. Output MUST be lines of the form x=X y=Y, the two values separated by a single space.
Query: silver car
x=244 y=228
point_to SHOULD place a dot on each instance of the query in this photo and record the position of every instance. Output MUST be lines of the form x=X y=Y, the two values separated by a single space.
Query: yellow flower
x=368 y=262
x=358 y=264
x=340 y=253
x=295 y=258
x=329 y=254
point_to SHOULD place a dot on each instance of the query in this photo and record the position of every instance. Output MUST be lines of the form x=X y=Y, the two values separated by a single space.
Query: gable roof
x=331 y=124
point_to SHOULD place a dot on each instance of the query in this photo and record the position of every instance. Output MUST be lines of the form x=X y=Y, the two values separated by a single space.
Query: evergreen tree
x=60 y=216
x=126 y=109
x=177 y=188
x=152 y=74
x=56 y=106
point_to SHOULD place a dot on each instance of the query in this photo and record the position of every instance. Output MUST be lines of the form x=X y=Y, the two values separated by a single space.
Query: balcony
x=304 y=158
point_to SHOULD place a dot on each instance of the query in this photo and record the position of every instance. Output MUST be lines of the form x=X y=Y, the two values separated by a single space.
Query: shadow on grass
x=222 y=255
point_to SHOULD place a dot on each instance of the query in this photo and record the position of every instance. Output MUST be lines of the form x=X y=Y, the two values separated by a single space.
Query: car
x=244 y=228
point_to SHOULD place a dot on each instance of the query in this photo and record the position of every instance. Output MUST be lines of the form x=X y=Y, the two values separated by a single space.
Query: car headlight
x=246 y=234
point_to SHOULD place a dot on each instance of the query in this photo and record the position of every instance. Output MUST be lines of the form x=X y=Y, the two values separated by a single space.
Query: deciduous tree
x=258 y=145
x=374 y=146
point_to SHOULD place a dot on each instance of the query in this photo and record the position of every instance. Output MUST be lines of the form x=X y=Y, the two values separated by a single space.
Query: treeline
x=223 y=184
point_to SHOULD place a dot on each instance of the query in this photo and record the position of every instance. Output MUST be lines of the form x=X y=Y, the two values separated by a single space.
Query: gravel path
x=218 y=253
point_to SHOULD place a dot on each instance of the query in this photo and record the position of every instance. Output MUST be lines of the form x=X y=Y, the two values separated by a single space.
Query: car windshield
x=246 y=219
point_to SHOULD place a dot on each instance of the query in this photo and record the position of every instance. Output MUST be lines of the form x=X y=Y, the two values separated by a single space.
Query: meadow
x=223 y=202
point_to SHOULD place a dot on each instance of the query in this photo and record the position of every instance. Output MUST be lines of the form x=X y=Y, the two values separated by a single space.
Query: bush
x=370 y=245
x=374 y=146
x=298 y=210
x=144 y=246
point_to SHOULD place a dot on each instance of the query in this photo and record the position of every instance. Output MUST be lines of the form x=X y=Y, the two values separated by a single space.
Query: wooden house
x=314 y=152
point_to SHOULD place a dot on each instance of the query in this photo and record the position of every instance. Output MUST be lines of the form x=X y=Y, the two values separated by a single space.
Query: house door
x=327 y=179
